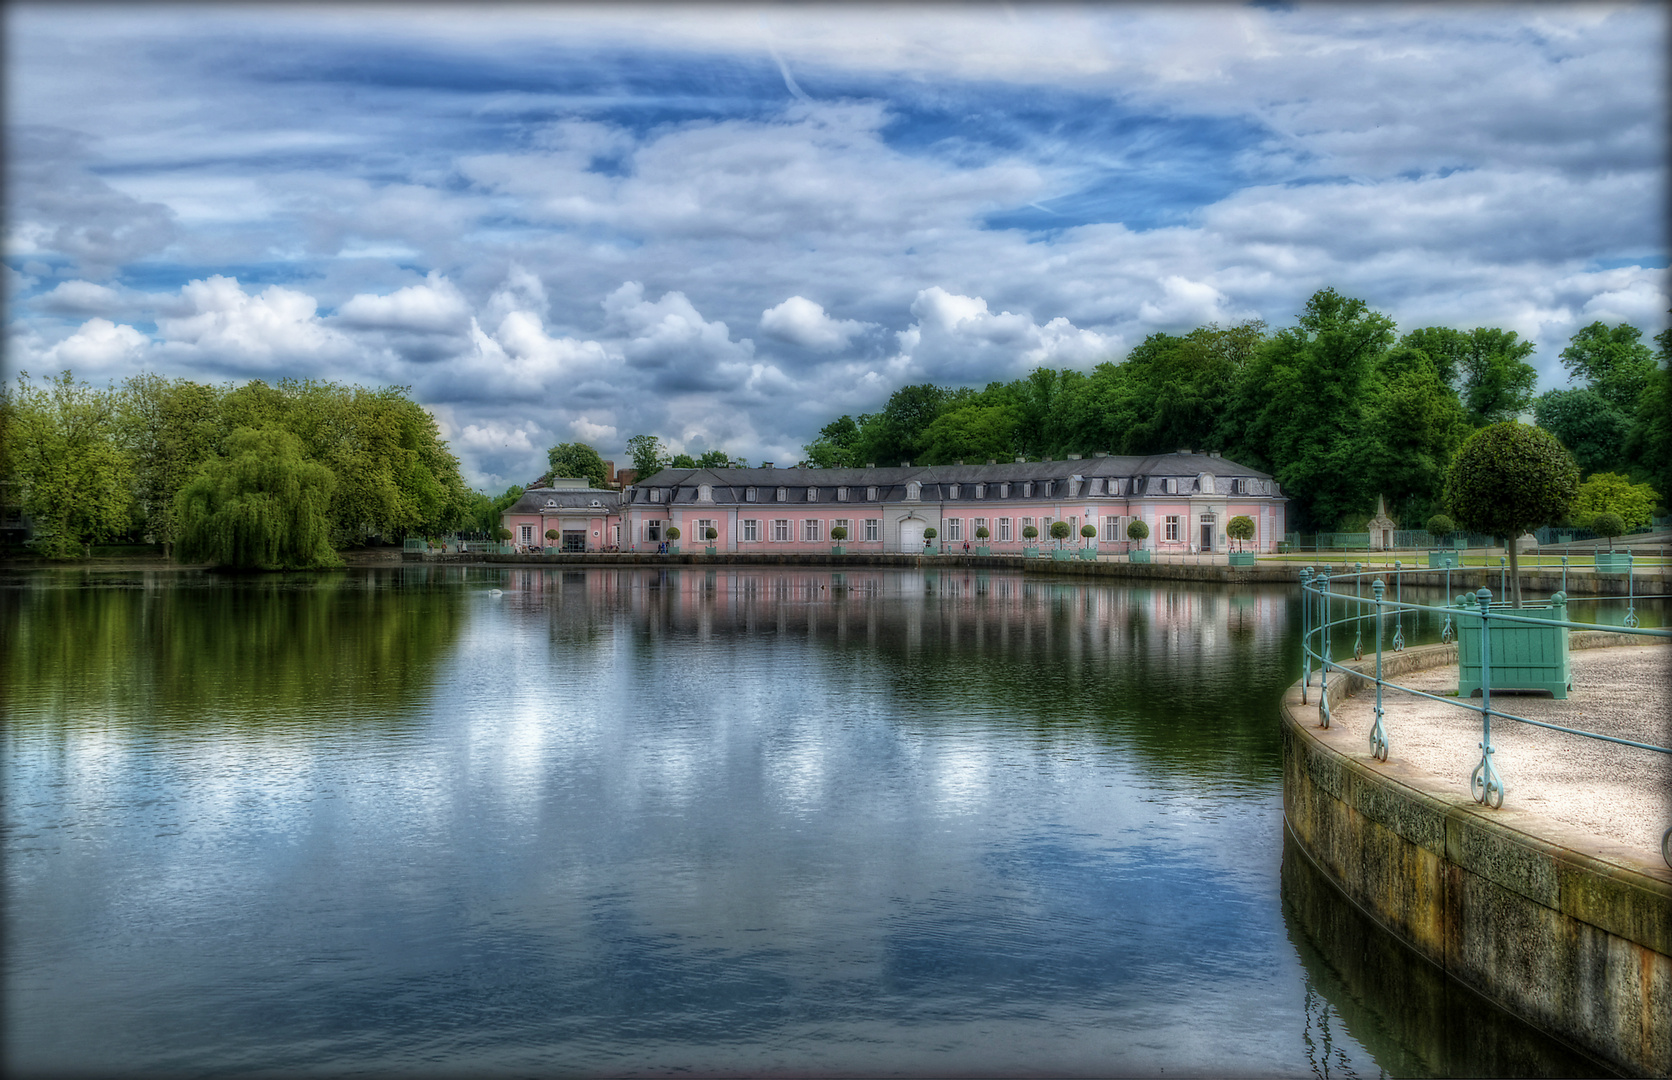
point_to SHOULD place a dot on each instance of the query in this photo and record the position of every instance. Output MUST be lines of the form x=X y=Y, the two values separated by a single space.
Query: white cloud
x=99 y=346
x=957 y=338
x=800 y=321
x=435 y=306
x=78 y=297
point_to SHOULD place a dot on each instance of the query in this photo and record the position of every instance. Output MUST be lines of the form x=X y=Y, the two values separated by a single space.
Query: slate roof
x=534 y=500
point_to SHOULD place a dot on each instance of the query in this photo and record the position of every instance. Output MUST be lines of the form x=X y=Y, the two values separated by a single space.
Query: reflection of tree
x=352 y=647
x=1188 y=678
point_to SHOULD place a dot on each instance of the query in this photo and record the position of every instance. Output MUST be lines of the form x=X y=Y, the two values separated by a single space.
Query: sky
x=727 y=225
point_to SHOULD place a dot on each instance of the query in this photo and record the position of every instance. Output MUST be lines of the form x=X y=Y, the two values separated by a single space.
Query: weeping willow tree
x=263 y=506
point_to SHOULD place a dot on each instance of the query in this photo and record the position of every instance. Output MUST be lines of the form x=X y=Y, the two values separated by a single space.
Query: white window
x=812 y=494
x=981 y=491
x=653 y=531
x=952 y=491
x=1111 y=527
x=1027 y=489
x=1004 y=491
x=812 y=530
x=783 y=494
x=1172 y=525
x=977 y=525
x=528 y=534
x=954 y=529
x=841 y=494
x=1172 y=486
x=1004 y=530
x=781 y=529
x=1045 y=527
x=1048 y=486
x=615 y=535
x=705 y=493
x=873 y=528
x=656 y=495
x=751 y=530
x=748 y=494
x=870 y=494
x=914 y=491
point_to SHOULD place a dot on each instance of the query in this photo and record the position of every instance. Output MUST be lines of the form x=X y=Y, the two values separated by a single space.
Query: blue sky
x=728 y=224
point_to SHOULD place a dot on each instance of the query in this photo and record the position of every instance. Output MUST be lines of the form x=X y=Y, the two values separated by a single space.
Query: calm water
x=642 y=821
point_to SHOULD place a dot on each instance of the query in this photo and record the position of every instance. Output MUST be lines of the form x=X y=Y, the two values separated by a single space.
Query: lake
x=443 y=820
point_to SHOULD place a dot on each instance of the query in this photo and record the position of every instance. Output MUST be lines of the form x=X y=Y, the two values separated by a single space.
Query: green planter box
x=1138 y=556
x=983 y=551
x=1061 y=554
x=1088 y=554
x=711 y=550
x=1525 y=656
x=931 y=548
x=1030 y=552
x=673 y=549
x=838 y=549
x=1439 y=560
x=1613 y=562
x=1243 y=558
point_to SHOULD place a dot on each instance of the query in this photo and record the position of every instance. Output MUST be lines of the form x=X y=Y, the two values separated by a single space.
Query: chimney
x=1073 y=457
x=1020 y=459
x=1101 y=453
x=1184 y=450
x=960 y=461
x=870 y=464
x=905 y=464
x=991 y=461
x=766 y=464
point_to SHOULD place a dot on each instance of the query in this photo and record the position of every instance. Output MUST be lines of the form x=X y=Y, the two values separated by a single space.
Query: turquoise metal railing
x=1477 y=616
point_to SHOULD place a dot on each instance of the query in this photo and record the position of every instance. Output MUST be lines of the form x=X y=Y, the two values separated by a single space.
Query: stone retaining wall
x=1579 y=947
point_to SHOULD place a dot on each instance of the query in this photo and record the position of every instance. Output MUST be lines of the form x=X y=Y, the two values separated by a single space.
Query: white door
x=911 y=535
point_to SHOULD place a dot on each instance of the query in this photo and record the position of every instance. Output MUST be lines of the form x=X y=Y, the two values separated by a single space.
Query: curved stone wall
x=1578 y=946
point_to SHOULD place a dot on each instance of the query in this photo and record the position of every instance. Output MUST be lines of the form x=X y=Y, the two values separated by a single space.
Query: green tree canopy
x=1613 y=493
x=1588 y=425
x=714 y=459
x=262 y=506
x=836 y=445
x=1612 y=362
x=647 y=456
x=1059 y=531
x=1508 y=478
x=577 y=459
x=1440 y=526
x=1497 y=380
x=1137 y=530
x=1240 y=528
x=61 y=446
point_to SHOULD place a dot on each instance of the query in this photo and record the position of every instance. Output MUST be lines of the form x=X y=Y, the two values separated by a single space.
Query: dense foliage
x=576 y=459
x=263 y=505
x=1508 y=478
x=88 y=464
x=1611 y=493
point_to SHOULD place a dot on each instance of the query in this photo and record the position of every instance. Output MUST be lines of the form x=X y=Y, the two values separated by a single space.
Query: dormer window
x=841 y=494
x=656 y=495
x=1004 y=491
x=705 y=493
x=952 y=491
x=870 y=494
x=1046 y=486
x=914 y=491
x=1170 y=486
x=1027 y=489
x=748 y=494
x=783 y=494
x=812 y=494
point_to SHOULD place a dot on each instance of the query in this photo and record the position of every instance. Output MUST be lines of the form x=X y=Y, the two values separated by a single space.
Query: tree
x=1413 y=424
x=1508 y=478
x=1649 y=441
x=1088 y=531
x=1588 y=425
x=1029 y=532
x=1612 y=493
x=1608 y=524
x=835 y=446
x=970 y=432
x=1137 y=531
x=262 y=506
x=1240 y=528
x=577 y=459
x=682 y=461
x=61 y=450
x=929 y=534
x=168 y=428
x=1059 y=531
x=892 y=436
x=551 y=536
x=646 y=453
x=1497 y=381
x=839 y=533
x=712 y=534
x=1612 y=362
x=673 y=532
x=714 y=459
x=981 y=532
x=1440 y=527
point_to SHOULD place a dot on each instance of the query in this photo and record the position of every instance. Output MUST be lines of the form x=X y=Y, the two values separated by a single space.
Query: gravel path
x=1617 y=793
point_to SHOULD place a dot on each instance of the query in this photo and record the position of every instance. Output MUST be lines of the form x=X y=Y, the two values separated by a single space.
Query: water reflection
x=520 y=820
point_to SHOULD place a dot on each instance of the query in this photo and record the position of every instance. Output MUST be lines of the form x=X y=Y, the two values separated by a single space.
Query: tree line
x=270 y=475
x=1340 y=408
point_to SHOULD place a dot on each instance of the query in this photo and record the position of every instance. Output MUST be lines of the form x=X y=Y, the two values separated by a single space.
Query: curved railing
x=1323 y=591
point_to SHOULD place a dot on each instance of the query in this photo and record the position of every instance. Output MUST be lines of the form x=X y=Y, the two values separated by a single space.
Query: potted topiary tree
x=929 y=535
x=1029 y=551
x=711 y=534
x=673 y=534
x=503 y=535
x=1137 y=532
x=981 y=535
x=1610 y=524
x=838 y=534
x=551 y=537
x=1506 y=479
x=1241 y=529
x=1440 y=527
x=1088 y=550
x=1060 y=532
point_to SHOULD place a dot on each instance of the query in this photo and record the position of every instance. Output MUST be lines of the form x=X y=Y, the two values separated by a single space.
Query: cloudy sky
x=728 y=224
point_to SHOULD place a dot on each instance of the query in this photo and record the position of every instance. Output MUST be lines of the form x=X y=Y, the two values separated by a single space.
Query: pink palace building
x=1186 y=499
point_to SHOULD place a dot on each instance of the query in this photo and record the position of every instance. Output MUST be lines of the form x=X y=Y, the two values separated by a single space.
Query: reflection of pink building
x=1185 y=499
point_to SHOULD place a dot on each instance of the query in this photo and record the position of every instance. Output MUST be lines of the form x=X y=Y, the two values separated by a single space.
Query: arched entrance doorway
x=911 y=535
